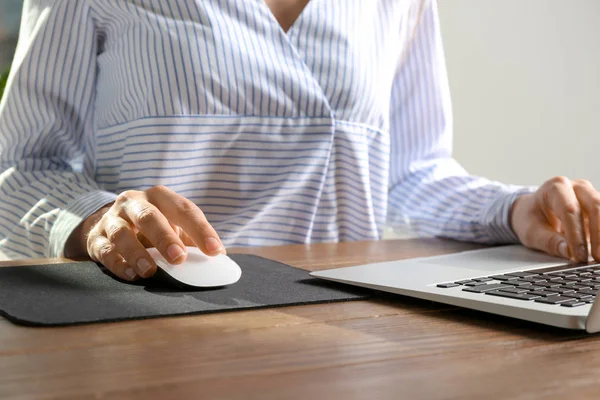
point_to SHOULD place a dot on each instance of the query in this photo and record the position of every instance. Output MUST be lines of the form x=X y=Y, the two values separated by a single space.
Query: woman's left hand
x=560 y=218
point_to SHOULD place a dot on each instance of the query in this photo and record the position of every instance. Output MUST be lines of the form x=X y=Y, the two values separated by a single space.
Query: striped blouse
x=328 y=132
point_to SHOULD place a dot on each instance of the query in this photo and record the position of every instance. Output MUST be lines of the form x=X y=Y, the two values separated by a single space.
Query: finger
x=103 y=251
x=189 y=217
x=544 y=238
x=589 y=199
x=121 y=235
x=185 y=239
x=561 y=199
x=144 y=240
x=552 y=219
x=183 y=236
x=151 y=222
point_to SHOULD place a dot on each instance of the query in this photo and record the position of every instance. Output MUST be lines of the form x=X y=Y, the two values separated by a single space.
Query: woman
x=130 y=124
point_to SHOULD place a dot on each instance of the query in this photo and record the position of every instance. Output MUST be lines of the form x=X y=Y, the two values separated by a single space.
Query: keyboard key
x=533 y=279
x=515 y=290
x=555 y=300
x=549 y=284
x=528 y=288
x=482 y=279
x=591 y=270
x=532 y=287
x=447 y=285
x=521 y=282
x=560 y=290
x=518 y=296
x=464 y=281
x=568 y=286
x=578 y=295
x=543 y=293
x=564 y=274
x=581 y=287
x=561 y=274
x=573 y=304
x=503 y=277
x=588 y=291
x=485 y=288
x=522 y=274
x=555 y=279
x=473 y=283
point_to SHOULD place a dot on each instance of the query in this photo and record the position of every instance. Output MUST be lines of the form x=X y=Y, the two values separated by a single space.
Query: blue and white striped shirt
x=326 y=132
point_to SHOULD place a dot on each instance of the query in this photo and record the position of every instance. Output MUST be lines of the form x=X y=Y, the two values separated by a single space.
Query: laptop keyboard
x=571 y=285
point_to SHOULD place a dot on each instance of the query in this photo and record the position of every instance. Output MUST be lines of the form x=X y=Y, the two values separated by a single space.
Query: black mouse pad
x=79 y=293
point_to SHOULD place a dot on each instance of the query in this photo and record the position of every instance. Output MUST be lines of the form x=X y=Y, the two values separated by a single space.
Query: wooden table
x=390 y=348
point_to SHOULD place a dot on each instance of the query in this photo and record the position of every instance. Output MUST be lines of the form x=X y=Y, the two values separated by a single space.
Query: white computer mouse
x=200 y=270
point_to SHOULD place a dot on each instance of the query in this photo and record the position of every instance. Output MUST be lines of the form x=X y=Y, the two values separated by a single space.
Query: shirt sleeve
x=429 y=190
x=46 y=130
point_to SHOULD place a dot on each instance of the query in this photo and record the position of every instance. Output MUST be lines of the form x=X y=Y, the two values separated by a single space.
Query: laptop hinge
x=592 y=324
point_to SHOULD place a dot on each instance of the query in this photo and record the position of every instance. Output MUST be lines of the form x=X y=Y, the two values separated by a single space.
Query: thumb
x=548 y=240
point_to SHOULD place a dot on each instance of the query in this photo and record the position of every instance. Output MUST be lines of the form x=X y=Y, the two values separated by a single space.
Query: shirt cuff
x=72 y=216
x=497 y=216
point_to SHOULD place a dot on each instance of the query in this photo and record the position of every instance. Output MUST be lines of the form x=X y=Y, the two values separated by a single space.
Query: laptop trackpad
x=495 y=259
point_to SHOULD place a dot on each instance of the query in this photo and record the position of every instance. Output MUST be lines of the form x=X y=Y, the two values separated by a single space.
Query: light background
x=525 y=84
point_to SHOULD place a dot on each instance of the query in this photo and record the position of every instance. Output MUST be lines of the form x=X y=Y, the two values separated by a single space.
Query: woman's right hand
x=117 y=235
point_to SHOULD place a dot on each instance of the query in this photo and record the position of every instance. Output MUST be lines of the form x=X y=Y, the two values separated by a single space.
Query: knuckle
x=571 y=208
x=125 y=196
x=157 y=189
x=583 y=183
x=188 y=208
x=559 y=181
x=146 y=215
x=115 y=232
x=105 y=251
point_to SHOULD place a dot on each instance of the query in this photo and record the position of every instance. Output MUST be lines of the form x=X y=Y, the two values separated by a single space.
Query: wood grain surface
x=392 y=347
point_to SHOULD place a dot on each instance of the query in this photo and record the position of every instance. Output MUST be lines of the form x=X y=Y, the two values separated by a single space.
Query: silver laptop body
x=510 y=280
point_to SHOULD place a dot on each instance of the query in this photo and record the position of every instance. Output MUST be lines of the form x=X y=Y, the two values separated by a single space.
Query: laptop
x=509 y=280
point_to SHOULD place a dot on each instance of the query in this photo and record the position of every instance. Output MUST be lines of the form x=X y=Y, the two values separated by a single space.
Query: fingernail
x=143 y=266
x=563 y=249
x=213 y=246
x=175 y=252
x=582 y=253
x=130 y=273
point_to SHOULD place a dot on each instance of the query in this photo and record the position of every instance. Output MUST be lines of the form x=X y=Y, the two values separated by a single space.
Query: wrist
x=515 y=213
x=76 y=245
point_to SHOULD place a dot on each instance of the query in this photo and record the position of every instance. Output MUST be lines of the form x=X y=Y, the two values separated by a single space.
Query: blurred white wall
x=525 y=84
